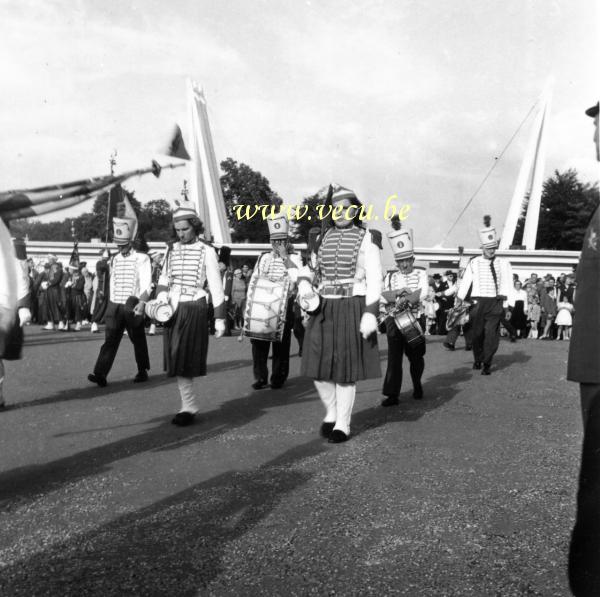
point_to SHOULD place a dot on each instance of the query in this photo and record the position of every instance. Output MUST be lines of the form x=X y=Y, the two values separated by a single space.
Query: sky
x=387 y=97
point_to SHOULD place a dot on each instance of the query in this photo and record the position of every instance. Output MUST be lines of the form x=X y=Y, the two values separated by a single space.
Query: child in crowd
x=534 y=313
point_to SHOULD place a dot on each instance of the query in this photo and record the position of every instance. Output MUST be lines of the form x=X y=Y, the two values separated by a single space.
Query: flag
x=42 y=200
x=205 y=187
x=176 y=147
x=74 y=260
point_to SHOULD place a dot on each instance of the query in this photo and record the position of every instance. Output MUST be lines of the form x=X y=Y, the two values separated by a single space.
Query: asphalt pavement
x=470 y=491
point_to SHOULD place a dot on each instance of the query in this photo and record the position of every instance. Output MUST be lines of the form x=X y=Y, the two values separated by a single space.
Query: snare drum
x=409 y=327
x=158 y=311
x=266 y=306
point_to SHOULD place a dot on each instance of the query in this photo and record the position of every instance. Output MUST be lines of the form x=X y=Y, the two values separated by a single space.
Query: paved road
x=469 y=492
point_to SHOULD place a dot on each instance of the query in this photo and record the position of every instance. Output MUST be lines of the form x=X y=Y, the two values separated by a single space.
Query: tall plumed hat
x=183 y=209
x=401 y=240
x=278 y=227
x=487 y=235
x=125 y=223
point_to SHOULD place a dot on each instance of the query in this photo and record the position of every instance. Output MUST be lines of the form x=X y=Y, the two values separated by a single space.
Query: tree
x=155 y=220
x=243 y=187
x=308 y=219
x=566 y=209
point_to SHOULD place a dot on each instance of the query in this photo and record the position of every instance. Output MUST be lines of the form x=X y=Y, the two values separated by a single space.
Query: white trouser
x=189 y=401
x=1 y=381
x=338 y=399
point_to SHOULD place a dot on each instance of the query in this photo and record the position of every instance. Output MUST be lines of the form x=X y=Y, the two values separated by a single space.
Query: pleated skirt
x=186 y=340
x=333 y=348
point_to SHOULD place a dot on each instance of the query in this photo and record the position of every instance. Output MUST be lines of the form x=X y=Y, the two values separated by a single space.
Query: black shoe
x=418 y=393
x=513 y=338
x=300 y=353
x=476 y=365
x=390 y=401
x=449 y=346
x=468 y=347
x=326 y=429
x=2 y=406
x=141 y=376
x=99 y=379
x=486 y=370
x=183 y=419
x=259 y=385
x=337 y=437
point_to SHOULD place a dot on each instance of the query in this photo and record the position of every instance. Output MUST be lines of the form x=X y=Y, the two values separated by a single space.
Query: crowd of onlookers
x=72 y=297
x=538 y=308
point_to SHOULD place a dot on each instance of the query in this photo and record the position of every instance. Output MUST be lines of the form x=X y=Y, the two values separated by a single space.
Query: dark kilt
x=14 y=342
x=186 y=340
x=333 y=348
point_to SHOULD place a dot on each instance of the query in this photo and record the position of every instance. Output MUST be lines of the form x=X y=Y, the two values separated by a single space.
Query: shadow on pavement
x=173 y=547
x=438 y=390
x=93 y=391
x=23 y=483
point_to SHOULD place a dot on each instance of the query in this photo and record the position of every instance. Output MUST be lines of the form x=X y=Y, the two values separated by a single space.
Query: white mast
x=205 y=187
x=528 y=189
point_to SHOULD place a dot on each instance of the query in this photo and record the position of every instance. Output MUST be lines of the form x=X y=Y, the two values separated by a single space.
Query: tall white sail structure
x=205 y=186
x=527 y=195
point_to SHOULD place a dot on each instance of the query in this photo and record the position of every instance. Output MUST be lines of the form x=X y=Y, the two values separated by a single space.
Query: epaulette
x=376 y=238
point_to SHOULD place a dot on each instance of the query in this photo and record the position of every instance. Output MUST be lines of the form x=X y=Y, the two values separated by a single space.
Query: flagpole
x=112 y=162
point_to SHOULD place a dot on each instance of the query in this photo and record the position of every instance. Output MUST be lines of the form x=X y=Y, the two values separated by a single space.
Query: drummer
x=278 y=265
x=403 y=288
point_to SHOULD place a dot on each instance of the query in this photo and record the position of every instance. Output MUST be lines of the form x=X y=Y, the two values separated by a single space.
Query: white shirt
x=130 y=275
x=479 y=273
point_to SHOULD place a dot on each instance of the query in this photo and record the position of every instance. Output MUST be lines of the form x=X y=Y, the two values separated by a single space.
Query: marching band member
x=188 y=265
x=129 y=288
x=406 y=280
x=491 y=280
x=278 y=265
x=340 y=345
x=14 y=276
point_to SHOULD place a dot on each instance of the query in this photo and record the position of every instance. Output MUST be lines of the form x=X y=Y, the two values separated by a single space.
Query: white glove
x=368 y=324
x=44 y=285
x=68 y=284
x=163 y=297
x=24 y=316
x=219 y=327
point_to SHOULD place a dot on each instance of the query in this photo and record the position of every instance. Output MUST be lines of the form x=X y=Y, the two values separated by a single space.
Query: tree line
x=566 y=208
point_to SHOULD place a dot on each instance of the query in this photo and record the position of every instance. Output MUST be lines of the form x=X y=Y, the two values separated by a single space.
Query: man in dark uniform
x=584 y=368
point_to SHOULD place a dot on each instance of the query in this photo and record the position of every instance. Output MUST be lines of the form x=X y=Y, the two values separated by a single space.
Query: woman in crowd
x=518 y=301
x=238 y=298
x=564 y=316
